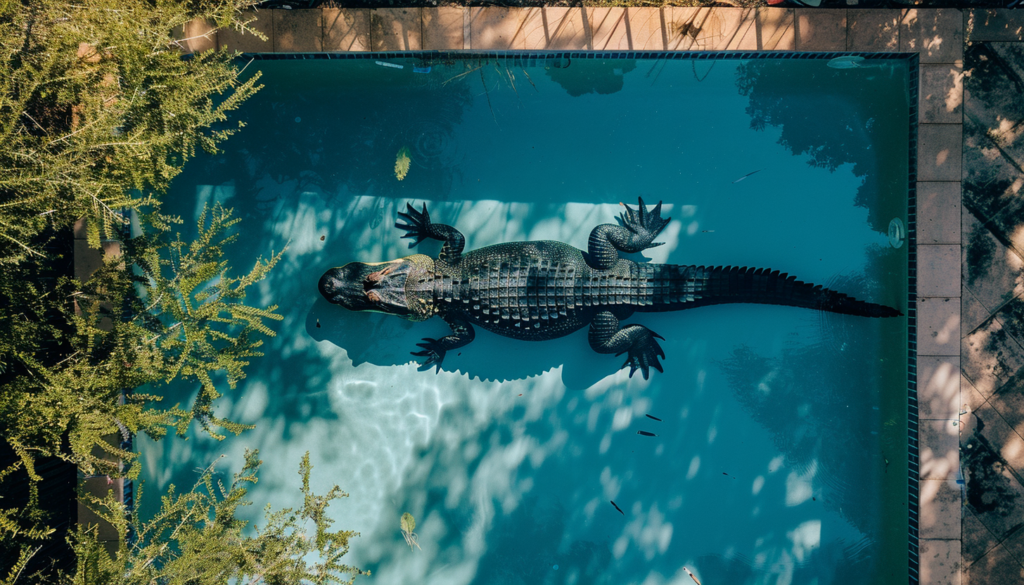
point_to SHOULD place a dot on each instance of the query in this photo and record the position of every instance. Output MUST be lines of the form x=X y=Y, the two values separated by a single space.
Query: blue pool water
x=781 y=456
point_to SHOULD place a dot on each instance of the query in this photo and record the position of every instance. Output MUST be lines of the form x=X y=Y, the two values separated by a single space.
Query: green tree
x=98 y=113
x=196 y=538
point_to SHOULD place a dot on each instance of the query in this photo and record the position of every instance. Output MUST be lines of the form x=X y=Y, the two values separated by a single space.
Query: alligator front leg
x=637 y=232
x=435 y=349
x=419 y=226
x=639 y=342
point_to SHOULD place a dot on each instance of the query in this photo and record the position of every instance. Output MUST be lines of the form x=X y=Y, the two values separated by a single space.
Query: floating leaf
x=408 y=522
x=408 y=525
x=402 y=163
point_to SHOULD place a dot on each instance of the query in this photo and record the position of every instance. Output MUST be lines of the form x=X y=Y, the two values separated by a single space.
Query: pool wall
x=936 y=36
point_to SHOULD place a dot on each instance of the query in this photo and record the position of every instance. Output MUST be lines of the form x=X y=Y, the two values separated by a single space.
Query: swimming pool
x=781 y=454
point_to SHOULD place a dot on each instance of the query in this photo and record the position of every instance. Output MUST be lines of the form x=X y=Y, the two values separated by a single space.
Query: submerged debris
x=408 y=525
x=618 y=508
x=646 y=434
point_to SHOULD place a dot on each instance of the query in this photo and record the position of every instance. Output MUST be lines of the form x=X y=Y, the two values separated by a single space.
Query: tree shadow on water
x=526 y=547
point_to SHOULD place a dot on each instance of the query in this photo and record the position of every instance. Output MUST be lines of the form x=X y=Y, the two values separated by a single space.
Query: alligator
x=542 y=290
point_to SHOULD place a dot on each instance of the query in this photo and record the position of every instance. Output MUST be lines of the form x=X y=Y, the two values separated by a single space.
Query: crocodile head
x=383 y=287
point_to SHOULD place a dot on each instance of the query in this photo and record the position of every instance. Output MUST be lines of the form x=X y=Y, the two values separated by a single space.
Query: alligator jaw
x=380 y=287
x=369 y=286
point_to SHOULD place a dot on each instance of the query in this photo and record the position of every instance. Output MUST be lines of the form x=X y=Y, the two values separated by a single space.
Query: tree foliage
x=95 y=100
x=196 y=538
x=98 y=113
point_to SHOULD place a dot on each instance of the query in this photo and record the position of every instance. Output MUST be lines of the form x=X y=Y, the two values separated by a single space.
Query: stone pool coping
x=937 y=36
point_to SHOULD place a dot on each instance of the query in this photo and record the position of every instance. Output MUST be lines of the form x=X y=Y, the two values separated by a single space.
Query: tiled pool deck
x=970 y=235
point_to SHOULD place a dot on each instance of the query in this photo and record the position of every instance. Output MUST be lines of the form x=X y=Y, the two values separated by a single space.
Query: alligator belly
x=539 y=330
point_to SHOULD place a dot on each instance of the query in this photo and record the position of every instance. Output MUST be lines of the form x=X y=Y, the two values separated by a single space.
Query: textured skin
x=543 y=290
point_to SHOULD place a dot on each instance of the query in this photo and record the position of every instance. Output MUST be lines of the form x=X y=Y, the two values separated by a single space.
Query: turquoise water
x=781 y=456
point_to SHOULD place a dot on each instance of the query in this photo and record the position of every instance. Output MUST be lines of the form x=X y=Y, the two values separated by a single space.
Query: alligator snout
x=372 y=286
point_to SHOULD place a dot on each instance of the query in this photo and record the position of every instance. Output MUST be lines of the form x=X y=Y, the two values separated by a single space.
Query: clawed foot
x=418 y=224
x=644 y=353
x=645 y=224
x=433 y=351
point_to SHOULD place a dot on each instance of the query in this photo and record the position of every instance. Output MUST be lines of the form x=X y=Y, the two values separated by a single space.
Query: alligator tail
x=684 y=287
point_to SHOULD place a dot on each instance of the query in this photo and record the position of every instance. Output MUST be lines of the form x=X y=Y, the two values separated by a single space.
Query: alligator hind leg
x=637 y=232
x=639 y=342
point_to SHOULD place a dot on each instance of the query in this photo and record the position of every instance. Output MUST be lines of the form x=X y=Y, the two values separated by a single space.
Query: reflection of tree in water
x=835 y=562
x=829 y=430
x=524 y=547
x=583 y=76
x=344 y=131
x=837 y=117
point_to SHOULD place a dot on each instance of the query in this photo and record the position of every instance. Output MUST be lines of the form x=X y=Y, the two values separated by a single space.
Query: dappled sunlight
x=941 y=390
x=510 y=457
x=648 y=531
x=800 y=486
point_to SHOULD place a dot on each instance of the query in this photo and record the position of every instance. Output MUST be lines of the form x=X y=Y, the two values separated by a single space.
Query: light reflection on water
x=767 y=464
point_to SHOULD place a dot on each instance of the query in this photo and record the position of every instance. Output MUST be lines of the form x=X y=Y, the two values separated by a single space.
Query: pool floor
x=781 y=453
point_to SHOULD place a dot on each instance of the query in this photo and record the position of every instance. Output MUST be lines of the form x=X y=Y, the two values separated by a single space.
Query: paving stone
x=938 y=213
x=996 y=568
x=684 y=25
x=985 y=428
x=99 y=487
x=940 y=449
x=88 y=259
x=992 y=454
x=196 y=36
x=939 y=152
x=554 y=28
x=298 y=31
x=990 y=357
x=993 y=273
x=80 y=229
x=443 y=28
x=936 y=35
x=396 y=29
x=996 y=24
x=1014 y=544
x=938 y=270
x=938 y=387
x=773 y=30
x=976 y=540
x=992 y=84
x=233 y=40
x=1008 y=401
x=346 y=29
x=873 y=30
x=820 y=29
x=646 y=29
x=938 y=326
x=496 y=28
x=941 y=93
x=1012 y=317
x=987 y=422
x=709 y=29
x=991 y=183
x=1008 y=224
x=940 y=506
x=972 y=313
x=940 y=562
x=607 y=28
